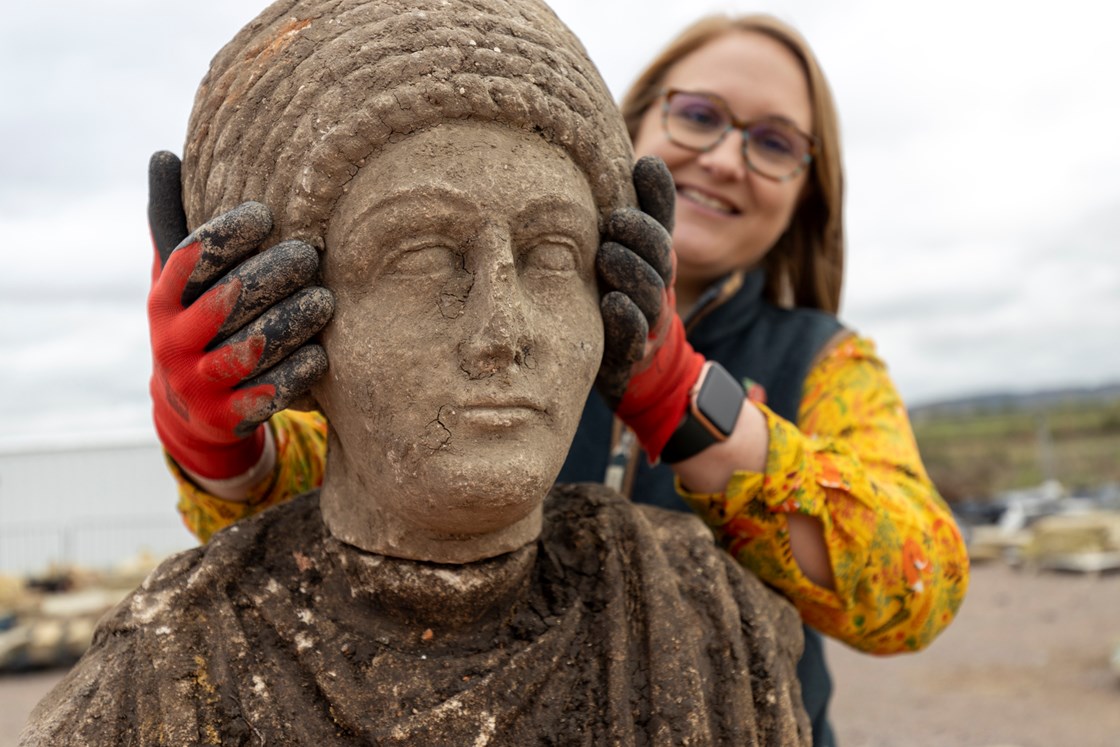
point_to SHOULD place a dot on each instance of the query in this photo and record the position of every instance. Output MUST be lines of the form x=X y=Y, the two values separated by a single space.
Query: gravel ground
x=1024 y=665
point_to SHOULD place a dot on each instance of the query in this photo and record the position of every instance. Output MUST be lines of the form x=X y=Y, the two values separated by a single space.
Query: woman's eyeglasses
x=772 y=147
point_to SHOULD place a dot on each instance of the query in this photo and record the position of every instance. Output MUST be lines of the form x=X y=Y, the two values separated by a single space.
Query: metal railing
x=34 y=548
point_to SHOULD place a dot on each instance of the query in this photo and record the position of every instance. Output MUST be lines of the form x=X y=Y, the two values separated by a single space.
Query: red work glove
x=228 y=336
x=648 y=365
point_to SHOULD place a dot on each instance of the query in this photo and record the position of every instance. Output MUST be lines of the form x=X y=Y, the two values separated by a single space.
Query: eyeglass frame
x=741 y=125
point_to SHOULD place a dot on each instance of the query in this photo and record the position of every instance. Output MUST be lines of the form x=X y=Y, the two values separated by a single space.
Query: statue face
x=465 y=339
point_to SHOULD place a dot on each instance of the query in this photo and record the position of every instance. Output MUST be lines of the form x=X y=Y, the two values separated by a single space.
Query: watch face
x=720 y=399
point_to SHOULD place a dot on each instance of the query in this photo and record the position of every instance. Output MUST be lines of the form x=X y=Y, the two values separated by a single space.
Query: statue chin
x=448 y=507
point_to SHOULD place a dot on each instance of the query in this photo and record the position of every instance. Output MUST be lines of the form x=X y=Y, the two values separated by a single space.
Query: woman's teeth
x=709 y=201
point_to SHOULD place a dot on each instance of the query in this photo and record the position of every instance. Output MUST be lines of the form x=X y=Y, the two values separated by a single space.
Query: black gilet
x=756 y=341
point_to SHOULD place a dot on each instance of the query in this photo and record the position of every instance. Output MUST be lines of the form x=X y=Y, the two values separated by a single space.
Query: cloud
x=93 y=241
x=73 y=360
x=92 y=89
x=982 y=208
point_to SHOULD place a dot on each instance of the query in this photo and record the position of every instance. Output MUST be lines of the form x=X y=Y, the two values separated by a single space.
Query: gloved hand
x=229 y=337
x=648 y=365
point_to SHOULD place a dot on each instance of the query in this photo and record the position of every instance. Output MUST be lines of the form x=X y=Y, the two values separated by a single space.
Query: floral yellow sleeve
x=301 y=450
x=900 y=564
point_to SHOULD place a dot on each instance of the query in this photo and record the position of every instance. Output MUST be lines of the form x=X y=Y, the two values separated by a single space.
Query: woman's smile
x=708 y=201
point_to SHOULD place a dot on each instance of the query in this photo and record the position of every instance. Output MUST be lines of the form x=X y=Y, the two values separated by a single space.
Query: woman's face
x=465 y=339
x=728 y=216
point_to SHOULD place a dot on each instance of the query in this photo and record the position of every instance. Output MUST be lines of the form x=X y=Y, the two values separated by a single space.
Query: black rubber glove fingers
x=635 y=267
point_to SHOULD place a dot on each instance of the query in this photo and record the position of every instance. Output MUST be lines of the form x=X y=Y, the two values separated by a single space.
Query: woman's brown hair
x=806 y=265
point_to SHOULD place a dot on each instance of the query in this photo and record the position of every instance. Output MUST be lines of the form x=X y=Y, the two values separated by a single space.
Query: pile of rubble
x=1045 y=528
x=48 y=620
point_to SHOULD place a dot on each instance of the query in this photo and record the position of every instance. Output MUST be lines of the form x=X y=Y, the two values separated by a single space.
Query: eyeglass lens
x=699 y=122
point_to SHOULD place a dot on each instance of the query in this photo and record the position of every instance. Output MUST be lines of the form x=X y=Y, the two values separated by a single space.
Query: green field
x=979 y=452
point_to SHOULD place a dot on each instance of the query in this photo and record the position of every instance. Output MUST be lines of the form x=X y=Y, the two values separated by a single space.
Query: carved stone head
x=454 y=161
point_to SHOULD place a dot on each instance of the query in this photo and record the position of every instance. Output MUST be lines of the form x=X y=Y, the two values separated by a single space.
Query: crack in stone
x=438 y=432
x=453 y=296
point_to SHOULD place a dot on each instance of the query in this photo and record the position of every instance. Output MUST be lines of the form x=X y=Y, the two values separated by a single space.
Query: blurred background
x=983 y=206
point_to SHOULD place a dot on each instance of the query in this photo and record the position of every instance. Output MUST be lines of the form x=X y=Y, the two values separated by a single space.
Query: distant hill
x=1018 y=401
x=980 y=446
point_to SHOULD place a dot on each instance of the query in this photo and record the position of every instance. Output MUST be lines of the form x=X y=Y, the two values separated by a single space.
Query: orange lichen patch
x=202 y=677
x=284 y=36
x=259 y=56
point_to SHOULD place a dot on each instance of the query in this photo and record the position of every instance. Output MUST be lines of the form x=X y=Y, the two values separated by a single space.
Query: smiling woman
x=732 y=210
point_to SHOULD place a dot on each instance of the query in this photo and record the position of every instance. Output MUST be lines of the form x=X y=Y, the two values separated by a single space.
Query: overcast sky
x=983 y=203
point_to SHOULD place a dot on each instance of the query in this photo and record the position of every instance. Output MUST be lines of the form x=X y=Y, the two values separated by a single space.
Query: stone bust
x=454 y=161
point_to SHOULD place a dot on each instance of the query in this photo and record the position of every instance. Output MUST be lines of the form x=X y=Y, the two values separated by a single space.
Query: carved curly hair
x=304 y=93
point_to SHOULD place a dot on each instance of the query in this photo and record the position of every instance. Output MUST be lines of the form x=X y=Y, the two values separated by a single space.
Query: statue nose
x=498 y=336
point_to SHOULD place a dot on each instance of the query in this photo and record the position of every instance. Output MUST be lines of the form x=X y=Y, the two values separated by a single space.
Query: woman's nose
x=497 y=335
x=726 y=161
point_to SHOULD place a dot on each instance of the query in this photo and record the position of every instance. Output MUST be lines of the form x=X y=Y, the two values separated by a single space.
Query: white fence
x=35 y=548
x=93 y=505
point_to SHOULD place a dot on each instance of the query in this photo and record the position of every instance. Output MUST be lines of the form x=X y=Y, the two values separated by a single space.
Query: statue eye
x=426 y=261
x=551 y=255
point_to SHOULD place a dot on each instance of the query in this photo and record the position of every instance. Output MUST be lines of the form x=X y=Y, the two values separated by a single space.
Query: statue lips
x=500 y=413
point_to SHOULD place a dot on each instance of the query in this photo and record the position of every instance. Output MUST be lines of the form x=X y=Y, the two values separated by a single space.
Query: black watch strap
x=713 y=409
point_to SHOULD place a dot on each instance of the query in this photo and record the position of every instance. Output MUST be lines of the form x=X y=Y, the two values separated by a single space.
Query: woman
x=816 y=485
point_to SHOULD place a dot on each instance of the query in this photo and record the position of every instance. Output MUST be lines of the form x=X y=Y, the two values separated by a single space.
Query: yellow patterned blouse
x=899 y=561
x=301 y=453
x=900 y=564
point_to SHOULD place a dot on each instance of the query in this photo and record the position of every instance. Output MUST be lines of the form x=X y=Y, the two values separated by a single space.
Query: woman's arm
x=840 y=515
x=300 y=440
x=746 y=450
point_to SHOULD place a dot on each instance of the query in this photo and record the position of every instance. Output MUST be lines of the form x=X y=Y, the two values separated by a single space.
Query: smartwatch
x=714 y=403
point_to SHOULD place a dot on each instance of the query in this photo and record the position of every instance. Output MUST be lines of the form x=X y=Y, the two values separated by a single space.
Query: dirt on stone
x=622 y=625
x=1024 y=665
